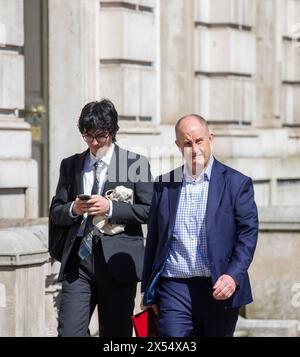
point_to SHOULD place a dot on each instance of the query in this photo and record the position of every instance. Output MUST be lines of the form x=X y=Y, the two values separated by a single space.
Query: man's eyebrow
x=189 y=140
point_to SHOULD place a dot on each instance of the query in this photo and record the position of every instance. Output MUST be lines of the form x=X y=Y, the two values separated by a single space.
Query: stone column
x=290 y=38
x=128 y=58
x=269 y=53
x=177 y=63
x=18 y=180
x=225 y=59
x=73 y=74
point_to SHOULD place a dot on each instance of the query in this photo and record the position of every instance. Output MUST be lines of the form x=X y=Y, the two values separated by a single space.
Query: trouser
x=187 y=309
x=87 y=284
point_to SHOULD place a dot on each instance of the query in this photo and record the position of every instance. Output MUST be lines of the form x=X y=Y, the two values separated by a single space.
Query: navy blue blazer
x=232 y=229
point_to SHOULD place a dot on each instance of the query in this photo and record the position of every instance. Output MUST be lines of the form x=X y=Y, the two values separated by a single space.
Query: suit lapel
x=79 y=165
x=216 y=187
x=174 y=194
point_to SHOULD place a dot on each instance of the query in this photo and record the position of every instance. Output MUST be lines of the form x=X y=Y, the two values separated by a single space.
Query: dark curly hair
x=99 y=115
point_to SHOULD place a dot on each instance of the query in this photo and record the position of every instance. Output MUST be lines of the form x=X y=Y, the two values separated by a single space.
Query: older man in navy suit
x=202 y=234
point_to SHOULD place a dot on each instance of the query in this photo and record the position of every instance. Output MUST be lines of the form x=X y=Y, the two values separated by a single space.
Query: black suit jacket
x=123 y=252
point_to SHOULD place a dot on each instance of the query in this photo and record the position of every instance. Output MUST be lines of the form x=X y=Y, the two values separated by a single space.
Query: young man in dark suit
x=100 y=266
x=202 y=234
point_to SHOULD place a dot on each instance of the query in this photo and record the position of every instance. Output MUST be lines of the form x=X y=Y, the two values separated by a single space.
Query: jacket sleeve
x=151 y=240
x=60 y=206
x=136 y=213
x=246 y=218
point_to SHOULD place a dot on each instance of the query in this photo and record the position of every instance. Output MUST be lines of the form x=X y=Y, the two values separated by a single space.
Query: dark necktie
x=86 y=244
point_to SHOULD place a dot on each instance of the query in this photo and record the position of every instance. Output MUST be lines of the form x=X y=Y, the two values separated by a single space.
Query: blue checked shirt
x=187 y=256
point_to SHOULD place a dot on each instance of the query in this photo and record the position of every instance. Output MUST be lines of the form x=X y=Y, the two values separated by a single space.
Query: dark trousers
x=188 y=309
x=87 y=284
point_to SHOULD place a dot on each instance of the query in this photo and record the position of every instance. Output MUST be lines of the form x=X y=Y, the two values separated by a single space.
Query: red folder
x=144 y=324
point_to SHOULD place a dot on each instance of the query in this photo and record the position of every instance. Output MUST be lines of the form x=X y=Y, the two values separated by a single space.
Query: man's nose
x=194 y=148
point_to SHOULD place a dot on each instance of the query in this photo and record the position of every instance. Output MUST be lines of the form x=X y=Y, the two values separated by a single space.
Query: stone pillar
x=18 y=180
x=225 y=59
x=23 y=254
x=290 y=63
x=128 y=60
x=73 y=74
x=177 y=63
x=278 y=54
x=269 y=53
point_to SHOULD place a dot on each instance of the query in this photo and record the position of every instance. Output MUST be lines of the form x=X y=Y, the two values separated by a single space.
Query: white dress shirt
x=88 y=180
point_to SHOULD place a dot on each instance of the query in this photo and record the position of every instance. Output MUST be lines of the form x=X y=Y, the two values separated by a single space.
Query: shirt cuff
x=71 y=211
x=109 y=214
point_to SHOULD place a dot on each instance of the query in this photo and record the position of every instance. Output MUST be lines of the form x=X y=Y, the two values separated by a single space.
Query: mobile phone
x=84 y=197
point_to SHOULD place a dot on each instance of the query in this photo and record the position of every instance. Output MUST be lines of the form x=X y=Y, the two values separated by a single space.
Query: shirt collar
x=203 y=176
x=106 y=157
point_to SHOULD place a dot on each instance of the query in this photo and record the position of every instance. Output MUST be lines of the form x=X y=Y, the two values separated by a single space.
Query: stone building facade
x=236 y=62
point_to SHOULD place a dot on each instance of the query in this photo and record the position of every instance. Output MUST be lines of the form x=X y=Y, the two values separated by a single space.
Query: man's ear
x=178 y=146
x=211 y=137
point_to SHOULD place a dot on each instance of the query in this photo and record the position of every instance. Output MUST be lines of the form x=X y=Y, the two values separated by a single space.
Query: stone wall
x=275 y=270
x=225 y=61
x=291 y=60
x=18 y=180
x=128 y=58
x=23 y=259
x=235 y=64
